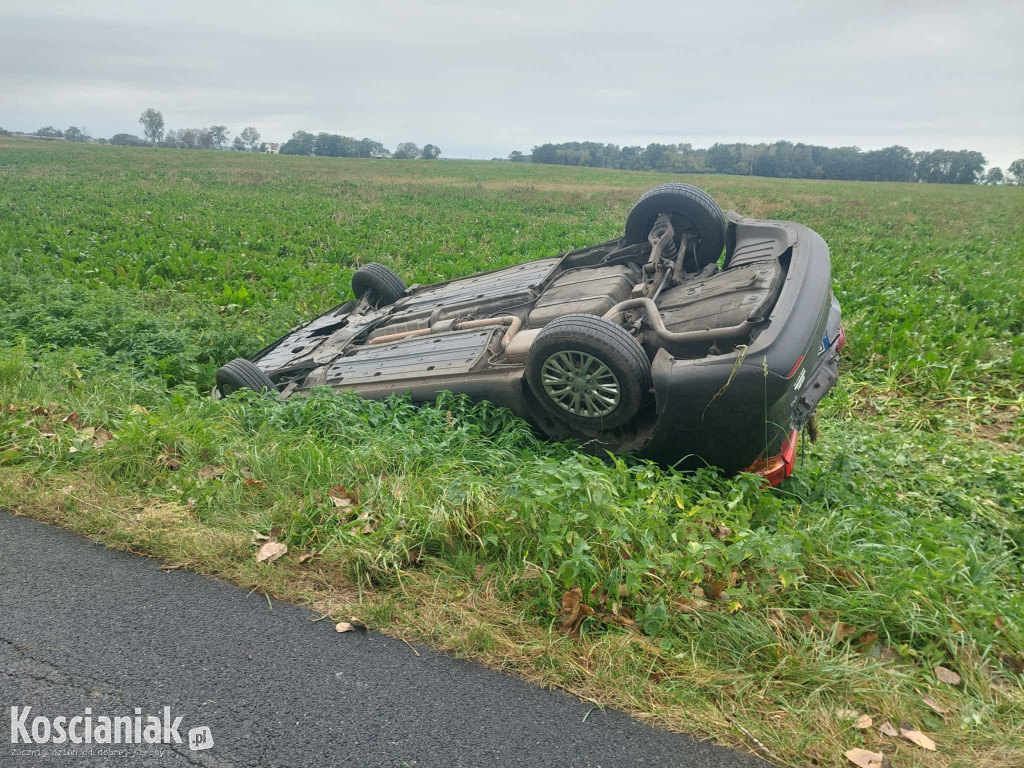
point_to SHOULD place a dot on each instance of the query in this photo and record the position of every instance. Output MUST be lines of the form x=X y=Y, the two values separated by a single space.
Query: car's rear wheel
x=242 y=374
x=588 y=372
x=691 y=208
x=378 y=284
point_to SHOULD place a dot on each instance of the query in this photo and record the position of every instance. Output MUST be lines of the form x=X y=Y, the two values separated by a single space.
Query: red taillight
x=841 y=341
x=778 y=468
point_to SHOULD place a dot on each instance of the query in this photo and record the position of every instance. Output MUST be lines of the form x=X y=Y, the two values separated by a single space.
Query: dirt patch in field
x=1002 y=428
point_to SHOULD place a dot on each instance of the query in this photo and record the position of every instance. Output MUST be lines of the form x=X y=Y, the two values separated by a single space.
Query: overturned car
x=693 y=339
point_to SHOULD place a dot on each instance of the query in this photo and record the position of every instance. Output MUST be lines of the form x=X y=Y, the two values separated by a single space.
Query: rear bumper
x=734 y=410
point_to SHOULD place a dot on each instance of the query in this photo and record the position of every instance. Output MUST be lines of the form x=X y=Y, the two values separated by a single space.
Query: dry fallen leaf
x=721 y=532
x=172 y=463
x=102 y=437
x=935 y=705
x=270 y=551
x=914 y=736
x=847 y=714
x=864 y=722
x=365 y=517
x=947 y=676
x=71 y=418
x=867 y=759
x=343 y=626
x=843 y=630
x=622 y=621
x=340 y=497
x=574 y=611
x=478 y=572
x=305 y=557
x=257 y=537
x=210 y=471
x=1013 y=663
x=251 y=482
x=886 y=729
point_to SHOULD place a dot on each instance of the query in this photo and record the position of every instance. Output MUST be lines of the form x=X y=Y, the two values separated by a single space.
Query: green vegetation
x=127 y=275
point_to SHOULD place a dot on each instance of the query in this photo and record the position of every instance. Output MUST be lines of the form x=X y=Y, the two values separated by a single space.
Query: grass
x=750 y=616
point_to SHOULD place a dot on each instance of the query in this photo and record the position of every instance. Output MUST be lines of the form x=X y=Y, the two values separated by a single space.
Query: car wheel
x=378 y=284
x=242 y=374
x=588 y=372
x=694 y=206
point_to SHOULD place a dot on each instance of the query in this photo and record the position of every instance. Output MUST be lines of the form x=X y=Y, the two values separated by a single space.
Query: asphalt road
x=83 y=626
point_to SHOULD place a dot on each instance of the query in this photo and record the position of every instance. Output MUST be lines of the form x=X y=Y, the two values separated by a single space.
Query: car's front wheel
x=378 y=284
x=692 y=210
x=588 y=372
x=243 y=374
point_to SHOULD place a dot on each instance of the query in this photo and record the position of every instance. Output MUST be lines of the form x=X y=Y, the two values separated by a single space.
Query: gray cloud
x=481 y=80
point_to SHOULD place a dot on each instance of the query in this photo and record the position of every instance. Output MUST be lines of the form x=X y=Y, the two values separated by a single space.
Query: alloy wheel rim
x=580 y=384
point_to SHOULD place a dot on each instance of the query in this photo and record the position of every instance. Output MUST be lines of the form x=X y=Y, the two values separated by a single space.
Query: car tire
x=588 y=372
x=378 y=284
x=688 y=202
x=242 y=374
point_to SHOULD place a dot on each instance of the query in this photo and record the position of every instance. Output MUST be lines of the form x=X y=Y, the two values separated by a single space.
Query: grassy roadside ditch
x=711 y=606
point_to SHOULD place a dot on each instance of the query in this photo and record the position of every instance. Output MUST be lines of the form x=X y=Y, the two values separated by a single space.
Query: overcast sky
x=480 y=79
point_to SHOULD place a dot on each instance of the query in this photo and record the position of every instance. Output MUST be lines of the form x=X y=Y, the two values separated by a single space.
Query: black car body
x=694 y=339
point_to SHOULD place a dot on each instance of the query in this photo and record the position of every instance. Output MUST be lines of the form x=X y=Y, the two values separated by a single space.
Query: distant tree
x=944 y=166
x=1016 y=169
x=75 y=134
x=369 y=148
x=631 y=158
x=301 y=143
x=49 y=131
x=4 y=132
x=250 y=136
x=101 y=140
x=238 y=145
x=172 y=139
x=127 y=140
x=722 y=159
x=204 y=137
x=893 y=163
x=430 y=152
x=218 y=136
x=968 y=167
x=152 y=122
x=188 y=138
x=407 y=150
x=517 y=157
x=333 y=145
x=264 y=146
x=994 y=176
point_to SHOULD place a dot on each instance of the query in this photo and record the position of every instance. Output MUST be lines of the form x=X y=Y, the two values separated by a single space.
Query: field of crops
x=127 y=276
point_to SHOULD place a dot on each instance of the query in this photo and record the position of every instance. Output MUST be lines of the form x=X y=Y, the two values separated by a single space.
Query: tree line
x=782 y=159
x=333 y=145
